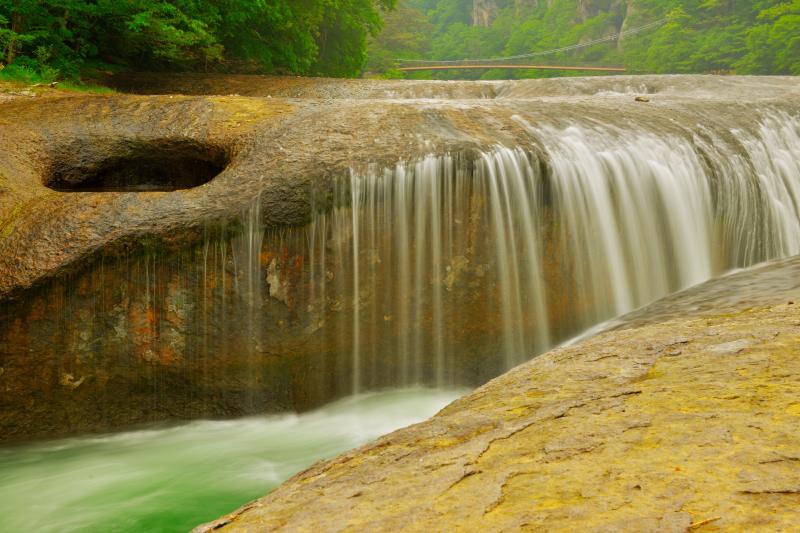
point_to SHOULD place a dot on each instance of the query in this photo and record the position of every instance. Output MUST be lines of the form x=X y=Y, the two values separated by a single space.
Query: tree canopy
x=314 y=37
x=59 y=38
x=698 y=36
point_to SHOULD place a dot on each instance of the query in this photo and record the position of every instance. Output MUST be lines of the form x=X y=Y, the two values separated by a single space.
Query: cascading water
x=444 y=271
x=409 y=245
x=527 y=249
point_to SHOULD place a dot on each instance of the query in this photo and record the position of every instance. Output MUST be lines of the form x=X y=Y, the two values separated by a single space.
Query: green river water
x=174 y=478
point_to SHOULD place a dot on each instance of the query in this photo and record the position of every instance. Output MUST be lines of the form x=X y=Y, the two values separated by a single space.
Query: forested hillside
x=59 y=38
x=730 y=36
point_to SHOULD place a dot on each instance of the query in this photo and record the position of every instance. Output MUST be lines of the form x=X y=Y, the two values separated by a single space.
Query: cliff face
x=620 y=12
x=483 y=12
x=591 y=8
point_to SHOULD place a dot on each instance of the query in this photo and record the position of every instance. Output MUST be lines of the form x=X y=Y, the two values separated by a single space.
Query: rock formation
x=483 y=12
x=130 y=294
x=682 y=415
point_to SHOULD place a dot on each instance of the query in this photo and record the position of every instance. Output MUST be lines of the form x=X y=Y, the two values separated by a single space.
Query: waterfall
x=246 y=246
x=504 y=253
x=445 y=270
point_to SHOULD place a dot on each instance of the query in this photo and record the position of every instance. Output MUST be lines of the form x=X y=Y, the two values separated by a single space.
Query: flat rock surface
x=689 y=421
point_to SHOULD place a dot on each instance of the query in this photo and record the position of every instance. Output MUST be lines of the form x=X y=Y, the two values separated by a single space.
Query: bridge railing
x=546 y=59
x=502 y=64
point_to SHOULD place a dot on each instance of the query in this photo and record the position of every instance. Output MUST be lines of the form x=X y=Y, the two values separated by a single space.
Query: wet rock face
x=246 y=321
x=154 y=256
x=241 y=322
x=152 y=338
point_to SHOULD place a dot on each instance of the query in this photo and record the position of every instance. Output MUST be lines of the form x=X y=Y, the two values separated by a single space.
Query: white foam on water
x=170 y=479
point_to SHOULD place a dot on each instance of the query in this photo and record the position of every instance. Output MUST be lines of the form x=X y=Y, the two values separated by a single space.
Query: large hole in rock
x=166 y=166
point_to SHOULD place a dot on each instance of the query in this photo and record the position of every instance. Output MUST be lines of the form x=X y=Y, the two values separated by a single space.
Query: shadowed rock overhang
x=155 y=165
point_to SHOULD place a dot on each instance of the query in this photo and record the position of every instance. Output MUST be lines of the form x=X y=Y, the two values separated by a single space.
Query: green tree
x=773 y=45
x=342 y=34
x=299 y=36
x=700 y=36
x=406 y=35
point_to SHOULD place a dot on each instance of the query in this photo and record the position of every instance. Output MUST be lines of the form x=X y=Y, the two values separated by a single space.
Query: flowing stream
x=171 y=479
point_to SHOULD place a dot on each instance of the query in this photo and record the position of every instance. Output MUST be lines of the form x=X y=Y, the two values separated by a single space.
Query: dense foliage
x=60 y=37
x=733 y=36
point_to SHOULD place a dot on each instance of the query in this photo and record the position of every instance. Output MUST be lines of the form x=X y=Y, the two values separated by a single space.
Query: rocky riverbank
x=684 y=417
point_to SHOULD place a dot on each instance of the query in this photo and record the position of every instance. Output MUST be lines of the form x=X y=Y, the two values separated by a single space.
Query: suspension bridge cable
x=552 y=51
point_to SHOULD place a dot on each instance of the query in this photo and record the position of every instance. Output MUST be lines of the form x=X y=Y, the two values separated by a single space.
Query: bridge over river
x=516 y=66
x=541 y=60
